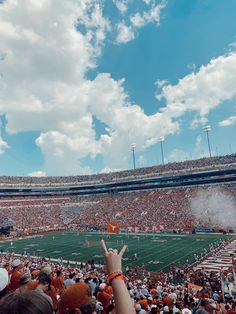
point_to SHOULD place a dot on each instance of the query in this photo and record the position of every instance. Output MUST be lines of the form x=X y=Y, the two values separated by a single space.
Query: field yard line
x=184 y=256
x=163 y=256
x=172 y=252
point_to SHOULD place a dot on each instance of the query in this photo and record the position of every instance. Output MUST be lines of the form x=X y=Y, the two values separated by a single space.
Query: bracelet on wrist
x=119 y=277
x=115 y=275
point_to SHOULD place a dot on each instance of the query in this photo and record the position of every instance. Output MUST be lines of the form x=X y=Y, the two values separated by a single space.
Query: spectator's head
x=138 y=308
x=44 y=281
x=16 y=264
x=71 y=275
x=75 y=299
x=46 y=270
x=154 y=309
x=33 y=303
x=25 y=278
x=102 y=286
x=4 y=279
x=204 y=303
x=58 y=273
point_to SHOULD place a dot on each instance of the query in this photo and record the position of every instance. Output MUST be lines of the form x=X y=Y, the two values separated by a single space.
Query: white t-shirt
x=186 y=311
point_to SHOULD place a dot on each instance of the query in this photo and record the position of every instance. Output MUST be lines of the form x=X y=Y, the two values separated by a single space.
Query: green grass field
x=156 y=252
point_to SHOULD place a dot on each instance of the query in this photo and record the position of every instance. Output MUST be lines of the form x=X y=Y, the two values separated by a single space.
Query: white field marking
x=159 y=241
x=76 y=254
x=56 y=251
x=40 y=250
x=32 y=245
x=155 y=262
x=165 y=255
x=126 y=259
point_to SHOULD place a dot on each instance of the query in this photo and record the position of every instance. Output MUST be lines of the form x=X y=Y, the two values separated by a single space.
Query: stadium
x=169 y=216
x=117 y=157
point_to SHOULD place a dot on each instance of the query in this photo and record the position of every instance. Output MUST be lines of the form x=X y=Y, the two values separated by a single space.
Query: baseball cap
x=16 y=263
x=138 y=307
x=4 y=279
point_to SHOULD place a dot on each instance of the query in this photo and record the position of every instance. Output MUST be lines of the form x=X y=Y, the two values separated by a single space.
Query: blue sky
x=74 y=98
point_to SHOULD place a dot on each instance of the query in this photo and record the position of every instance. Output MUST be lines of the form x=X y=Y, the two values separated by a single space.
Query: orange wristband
x=113 y=276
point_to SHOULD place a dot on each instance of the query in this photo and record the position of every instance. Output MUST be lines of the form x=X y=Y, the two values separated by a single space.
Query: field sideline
x=156 y=252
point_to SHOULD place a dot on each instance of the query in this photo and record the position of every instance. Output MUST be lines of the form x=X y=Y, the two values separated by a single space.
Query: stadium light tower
x=133 y=145
x=207 y=129
x=161 y=140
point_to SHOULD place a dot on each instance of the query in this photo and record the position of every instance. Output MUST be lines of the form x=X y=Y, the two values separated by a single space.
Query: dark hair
x=59 y=273
x=44 y=279
x=71 y=275
x=203 y=302
x=32 y=303
x=89 y=307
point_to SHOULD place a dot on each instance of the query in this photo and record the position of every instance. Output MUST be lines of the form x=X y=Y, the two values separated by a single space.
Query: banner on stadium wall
x=205 y=230
x=113 y=227
x=133 y=229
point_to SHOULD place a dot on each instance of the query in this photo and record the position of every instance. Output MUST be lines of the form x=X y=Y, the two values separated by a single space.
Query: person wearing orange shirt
x=108 y=289
x=25 y=284
x=58 y=283
x=104 y=297
x=15 y=275
x=168 y=301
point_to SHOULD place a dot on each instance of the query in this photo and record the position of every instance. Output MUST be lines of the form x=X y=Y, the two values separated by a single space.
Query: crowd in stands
x=145 y=210
x=31 y=285
x=188 y=166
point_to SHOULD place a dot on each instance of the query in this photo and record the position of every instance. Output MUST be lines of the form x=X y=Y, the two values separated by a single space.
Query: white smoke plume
x=214 y=207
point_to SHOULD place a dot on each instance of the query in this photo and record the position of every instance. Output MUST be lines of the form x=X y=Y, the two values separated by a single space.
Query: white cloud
x=122 y=5
x=3 y=146
x=227 y=122
x=125 y=33
x=151 y=16
x=202 y=91
x=126 y=30
x=44 y=86
x=37 y=173
x=177 y=155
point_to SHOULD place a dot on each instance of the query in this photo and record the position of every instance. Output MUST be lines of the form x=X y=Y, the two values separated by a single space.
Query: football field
x=155 y=252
